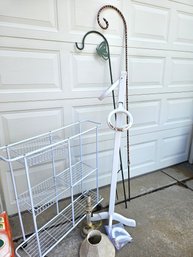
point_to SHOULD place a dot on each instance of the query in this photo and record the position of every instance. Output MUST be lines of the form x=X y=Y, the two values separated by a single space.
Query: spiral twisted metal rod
x=126 y=68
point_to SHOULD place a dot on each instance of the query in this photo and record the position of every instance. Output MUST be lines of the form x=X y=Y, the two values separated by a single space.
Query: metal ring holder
x=124 y=127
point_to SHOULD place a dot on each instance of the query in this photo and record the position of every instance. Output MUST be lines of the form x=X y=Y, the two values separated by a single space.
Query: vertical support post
x=16 y=193
x=114 y=177
x=54 y=172
x=81 y=159
x=32 y=205
x=97 y=166
x=71 y=181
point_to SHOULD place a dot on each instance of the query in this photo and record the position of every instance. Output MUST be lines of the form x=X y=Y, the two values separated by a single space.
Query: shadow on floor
x=162 y=205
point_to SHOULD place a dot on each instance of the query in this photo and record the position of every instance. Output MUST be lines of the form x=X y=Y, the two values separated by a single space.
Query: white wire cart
x=59 y=170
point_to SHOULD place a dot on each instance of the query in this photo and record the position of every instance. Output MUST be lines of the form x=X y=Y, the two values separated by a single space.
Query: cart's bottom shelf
x=57 y=228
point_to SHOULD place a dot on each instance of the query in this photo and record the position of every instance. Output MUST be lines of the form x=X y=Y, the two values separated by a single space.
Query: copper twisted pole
x=126 y=68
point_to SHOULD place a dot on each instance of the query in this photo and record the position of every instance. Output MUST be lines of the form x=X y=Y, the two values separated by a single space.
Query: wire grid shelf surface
x=55 y=230
x=45 y=193
x=63 y=154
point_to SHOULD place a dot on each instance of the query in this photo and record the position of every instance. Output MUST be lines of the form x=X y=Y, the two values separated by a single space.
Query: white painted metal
x=69 y=170
x=45 y=81
x=119 y=128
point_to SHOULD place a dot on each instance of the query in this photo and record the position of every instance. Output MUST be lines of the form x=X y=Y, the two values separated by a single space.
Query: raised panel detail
x=181 y=72
x=184 y=32
x=146 y=72
x=145 y=114
x=149 y=22
x=188 y=2
x=147 y=153
x=38 y=15
x=174 y=147
x=24 y=124
x=80 y=21
x=90 y=72
x=29 y=70
x=93 y=112
x=179 y=110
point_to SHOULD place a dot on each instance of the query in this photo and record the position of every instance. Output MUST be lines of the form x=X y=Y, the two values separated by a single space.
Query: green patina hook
x=104 y=52
x=102 y=49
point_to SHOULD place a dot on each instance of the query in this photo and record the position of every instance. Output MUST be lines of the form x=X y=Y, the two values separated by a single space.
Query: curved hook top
x=90 y=32
x=106 y=22
x=105 y=55
x=107 y=25
x=126 y=61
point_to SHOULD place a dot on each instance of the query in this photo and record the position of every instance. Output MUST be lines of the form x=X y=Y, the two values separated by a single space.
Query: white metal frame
x=119 y=128
x=47 y=148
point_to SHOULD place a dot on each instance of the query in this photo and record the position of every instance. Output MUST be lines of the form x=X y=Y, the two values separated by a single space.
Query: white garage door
x=46 y=83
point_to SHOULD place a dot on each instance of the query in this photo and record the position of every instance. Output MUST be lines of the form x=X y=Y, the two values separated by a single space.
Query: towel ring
x=124 y=127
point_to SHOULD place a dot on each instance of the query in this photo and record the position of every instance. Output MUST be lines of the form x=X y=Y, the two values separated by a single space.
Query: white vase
x=97 y=244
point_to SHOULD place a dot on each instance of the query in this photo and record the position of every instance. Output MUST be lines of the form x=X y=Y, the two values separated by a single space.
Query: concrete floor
x=164 y=216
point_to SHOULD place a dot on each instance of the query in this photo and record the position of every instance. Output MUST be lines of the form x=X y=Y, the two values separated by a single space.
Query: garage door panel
x=175 y=147
x=185 y=22
x=76 y=23
x=90 y=73
x=146 y=115
x=148 y=155
x=87 y=111
x=35 y=71
x=152 y=24
x=187 y=2
x=143 y=14
x=179 y=111
x=79 y=20
x=22 y=124
x=146 y=72
x=29 y=70
x=154 y=151
x=181 y=72
x=156 y=71
x=40 y=15
x=160 y=112
x=151 y=113
x=40 y=71
x=146 y=149
x=182 y=28
x=91 y=109
x=55 y=19
x=38 y=19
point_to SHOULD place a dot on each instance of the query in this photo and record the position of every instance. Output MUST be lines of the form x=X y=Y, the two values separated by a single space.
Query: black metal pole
x=113 y=97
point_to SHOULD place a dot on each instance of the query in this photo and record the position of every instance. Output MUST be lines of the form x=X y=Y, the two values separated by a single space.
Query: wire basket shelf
x=44 y=194
x=57 y=165
x=58 y=228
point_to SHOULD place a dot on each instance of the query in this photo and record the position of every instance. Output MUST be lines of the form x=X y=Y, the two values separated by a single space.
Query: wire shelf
x=55 y=230
x=42 y=157
x=45 y=193
x=57 y=165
